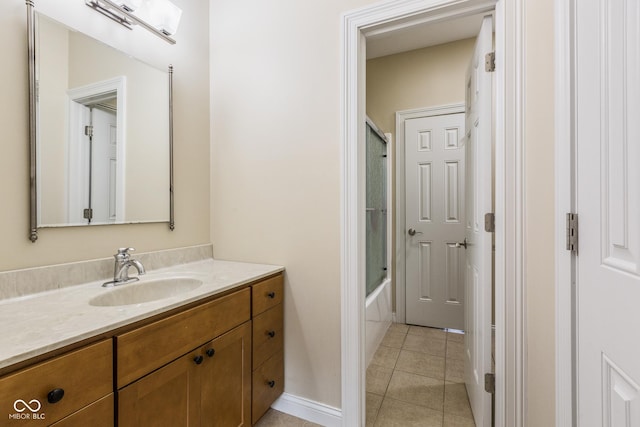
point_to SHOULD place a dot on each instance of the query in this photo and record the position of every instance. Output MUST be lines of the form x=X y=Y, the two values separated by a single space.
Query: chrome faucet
x=121 y=268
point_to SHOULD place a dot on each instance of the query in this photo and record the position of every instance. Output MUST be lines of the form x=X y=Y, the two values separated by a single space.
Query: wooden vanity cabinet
x=219 y=363
x=268 y=344
x=66 y=388
x=208 y=386
x=98 y=414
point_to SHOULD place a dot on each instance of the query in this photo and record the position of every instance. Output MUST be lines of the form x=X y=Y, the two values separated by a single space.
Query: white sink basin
x=145 y=291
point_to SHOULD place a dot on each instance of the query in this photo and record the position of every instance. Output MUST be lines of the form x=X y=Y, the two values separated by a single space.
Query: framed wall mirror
x=101 y=132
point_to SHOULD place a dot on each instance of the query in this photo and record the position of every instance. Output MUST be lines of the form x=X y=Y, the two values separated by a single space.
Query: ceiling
x=389 y=40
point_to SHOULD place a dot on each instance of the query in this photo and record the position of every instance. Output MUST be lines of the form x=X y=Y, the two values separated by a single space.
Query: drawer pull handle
x=271 y=383
x=211 y=352
x=55 y=395
x=271 y=295
x=198 y=359
x=271 y=334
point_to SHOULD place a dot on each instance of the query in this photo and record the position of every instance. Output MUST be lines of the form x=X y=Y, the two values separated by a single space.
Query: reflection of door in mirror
x=103 y=165
x=95 y=176
x=96 y=171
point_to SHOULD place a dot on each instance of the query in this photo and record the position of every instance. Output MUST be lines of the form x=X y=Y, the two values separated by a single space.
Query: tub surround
x=39 y=323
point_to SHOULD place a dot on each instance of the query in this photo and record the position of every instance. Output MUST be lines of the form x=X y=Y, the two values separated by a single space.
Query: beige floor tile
x=455 y=337
x=378 y=378
x=393 y=339
x=275 y=418
x=373 y=406
x=417 y=389
x=429 y=332
x=455 y=350
x=399 y=327
x=456 y=421
x=394 y=413
x=456 y=401
x=454 y=370
x=386 y=356
x=425 y=344
x=421 y=363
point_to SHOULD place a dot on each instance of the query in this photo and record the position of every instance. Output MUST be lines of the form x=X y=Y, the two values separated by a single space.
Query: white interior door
x=607 y=130
x=104 y=166
x=479 y=242
x=434 y=182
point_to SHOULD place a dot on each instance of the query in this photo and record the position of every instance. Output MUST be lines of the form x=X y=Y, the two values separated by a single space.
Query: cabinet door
x=169 y=396
x=226 y=379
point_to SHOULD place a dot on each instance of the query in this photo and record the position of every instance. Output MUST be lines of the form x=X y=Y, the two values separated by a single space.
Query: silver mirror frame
x=33 y=210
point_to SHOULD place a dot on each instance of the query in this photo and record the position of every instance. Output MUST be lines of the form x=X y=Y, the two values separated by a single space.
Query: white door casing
x=607 y=272
x=510 y=205
x=477 y=343
x=434 y=183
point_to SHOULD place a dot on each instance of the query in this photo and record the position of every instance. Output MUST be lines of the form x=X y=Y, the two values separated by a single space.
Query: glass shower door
x=376 y=199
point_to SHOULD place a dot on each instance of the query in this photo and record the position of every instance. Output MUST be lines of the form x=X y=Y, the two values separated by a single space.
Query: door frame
x=565 y=201
x=400 y=237
x=510 y=301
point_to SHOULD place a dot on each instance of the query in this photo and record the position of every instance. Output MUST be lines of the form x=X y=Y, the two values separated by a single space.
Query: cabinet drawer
x=98 y=414
x=268 y=384
x=268 y=335
x=150 y=347
x=267 y=294
x=85 y=375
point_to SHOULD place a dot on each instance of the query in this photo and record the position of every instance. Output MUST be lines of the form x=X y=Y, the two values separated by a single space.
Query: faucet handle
x=123 y=254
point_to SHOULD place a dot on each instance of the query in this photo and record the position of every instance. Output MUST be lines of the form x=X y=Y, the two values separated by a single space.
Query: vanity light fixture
x=161 y=17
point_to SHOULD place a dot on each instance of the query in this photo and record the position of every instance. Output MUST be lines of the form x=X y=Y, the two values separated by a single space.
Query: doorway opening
x=440 y=200
x=397 y=17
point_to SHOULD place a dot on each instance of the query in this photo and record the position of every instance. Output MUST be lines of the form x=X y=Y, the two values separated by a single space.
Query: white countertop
x=39 y=323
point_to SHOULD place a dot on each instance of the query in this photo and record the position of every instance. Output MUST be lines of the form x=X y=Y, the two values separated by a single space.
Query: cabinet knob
x=271 y=383
x=271 y=295
x=198 y=359
x=271 y=334
x=211 y=352
x=55 y=395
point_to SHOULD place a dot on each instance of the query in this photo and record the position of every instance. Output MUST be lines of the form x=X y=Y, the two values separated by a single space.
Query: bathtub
x=378 y=317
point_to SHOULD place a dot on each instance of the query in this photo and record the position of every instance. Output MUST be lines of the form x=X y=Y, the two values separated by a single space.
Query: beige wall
x=275 y=79
x=276 y=175
x=539 y=199
x=190 y=58
x=420 y=78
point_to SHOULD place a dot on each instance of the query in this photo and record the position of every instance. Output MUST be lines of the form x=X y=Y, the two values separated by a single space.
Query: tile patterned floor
x=416 y=378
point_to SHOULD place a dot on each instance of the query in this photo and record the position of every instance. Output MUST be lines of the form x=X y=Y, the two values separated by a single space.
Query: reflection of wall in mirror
x=147 y=143
x=53 y=56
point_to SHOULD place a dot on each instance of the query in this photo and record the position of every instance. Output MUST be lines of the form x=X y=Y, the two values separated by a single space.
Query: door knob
x=413 y=232
x=463 y=244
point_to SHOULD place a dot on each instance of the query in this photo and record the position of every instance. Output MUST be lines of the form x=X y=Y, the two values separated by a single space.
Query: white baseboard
x=309 y=410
